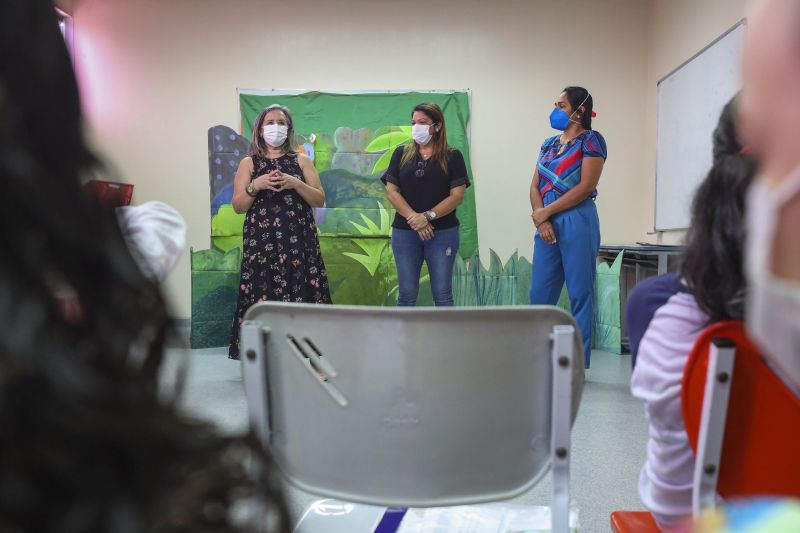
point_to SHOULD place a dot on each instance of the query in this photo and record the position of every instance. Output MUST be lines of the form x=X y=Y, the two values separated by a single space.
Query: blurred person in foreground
x=770 y=125
x=87 y=441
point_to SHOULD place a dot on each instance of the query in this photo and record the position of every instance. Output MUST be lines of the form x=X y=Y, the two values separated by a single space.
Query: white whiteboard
x=690 y=100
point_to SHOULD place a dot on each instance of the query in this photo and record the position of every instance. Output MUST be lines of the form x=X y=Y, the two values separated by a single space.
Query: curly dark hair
x=87 y=442
x=713 y=260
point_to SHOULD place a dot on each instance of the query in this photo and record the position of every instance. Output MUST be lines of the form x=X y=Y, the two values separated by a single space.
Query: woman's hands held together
x=417 y=221
x=540 y=215
x=426 y=233
x=420 y=224
x=547 y=232
x=276 y=181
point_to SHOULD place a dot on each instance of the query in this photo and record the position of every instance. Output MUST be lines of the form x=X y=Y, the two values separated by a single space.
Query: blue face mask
x=559 y=120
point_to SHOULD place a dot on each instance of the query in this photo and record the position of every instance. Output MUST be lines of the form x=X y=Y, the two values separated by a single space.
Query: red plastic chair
x=761 y=455
x=747 y=407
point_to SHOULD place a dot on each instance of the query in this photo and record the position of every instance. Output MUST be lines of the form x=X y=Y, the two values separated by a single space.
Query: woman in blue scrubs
x=563 y=190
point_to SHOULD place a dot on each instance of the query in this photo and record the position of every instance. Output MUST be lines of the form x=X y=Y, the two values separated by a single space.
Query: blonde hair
x=257 y=144
x=438 y=138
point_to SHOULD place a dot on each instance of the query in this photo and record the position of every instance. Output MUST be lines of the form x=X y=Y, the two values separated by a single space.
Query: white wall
x=155 y=75
x=678 y=29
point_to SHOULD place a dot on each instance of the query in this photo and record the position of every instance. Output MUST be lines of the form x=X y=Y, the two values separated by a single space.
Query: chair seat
x=633 y=522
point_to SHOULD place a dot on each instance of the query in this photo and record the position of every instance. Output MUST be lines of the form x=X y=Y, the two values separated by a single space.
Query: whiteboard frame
x=656 y=229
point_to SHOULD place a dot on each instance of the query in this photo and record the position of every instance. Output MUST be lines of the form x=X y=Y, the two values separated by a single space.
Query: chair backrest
x=761 y=443
x=408 y=407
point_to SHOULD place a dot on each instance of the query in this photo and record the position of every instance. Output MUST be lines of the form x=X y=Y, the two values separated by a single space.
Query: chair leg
x=712 y=424
x=563 y=343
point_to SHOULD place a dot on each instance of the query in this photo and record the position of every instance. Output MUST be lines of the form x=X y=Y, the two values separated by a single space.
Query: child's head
x=713 y=262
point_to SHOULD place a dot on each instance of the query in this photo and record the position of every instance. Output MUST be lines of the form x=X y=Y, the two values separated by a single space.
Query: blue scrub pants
x=573 y=258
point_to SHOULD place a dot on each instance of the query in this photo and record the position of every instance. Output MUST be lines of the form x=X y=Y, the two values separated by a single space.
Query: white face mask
x=421 y=133
x=275 y=134
x=773 y=304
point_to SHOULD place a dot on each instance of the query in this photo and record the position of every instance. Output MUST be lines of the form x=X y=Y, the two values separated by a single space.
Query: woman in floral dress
x=277 y=188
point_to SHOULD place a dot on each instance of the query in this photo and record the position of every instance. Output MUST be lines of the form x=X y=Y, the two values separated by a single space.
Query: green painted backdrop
x=354 y=137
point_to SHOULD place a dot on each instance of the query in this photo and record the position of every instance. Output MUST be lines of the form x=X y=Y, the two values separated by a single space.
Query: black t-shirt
x=424 y=184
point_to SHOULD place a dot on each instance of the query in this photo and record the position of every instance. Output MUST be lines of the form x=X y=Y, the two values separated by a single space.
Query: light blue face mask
x=559 y=120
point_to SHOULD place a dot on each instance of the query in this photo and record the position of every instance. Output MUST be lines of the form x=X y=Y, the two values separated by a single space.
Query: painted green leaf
x=383 y=130
x=391 y=297
x=524 y=269
x=227 y=222
x=464 y=284
x=371 y=258
x=564 y=301
x=382 y=163
x=370 y=229
x=511 y=265
x=495 y=265
x=496 y=285
x=386 y=224
x=366 y=261
x=225 y=244
x=390 y=140
x=475 y=265
x=209 y=260
x=460 y=266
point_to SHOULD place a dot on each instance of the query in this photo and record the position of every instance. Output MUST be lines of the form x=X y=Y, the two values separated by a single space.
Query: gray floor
x=608 y=439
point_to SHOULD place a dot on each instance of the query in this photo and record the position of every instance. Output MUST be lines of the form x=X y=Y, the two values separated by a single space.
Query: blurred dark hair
x=86 y=443
x=576 y=97
x=713 y=259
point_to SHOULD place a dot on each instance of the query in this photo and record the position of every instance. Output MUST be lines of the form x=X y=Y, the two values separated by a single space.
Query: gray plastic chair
x=415 y=407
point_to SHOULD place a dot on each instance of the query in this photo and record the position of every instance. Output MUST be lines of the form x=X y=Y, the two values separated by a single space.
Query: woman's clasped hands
x=421 y=225
x=543 y=224
x=276 y=181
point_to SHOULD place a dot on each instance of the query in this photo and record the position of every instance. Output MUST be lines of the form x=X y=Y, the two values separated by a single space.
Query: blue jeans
x=438 y=253
x=573 y=258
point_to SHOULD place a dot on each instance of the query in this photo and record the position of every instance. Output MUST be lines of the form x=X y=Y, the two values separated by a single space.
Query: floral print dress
x=281 y=259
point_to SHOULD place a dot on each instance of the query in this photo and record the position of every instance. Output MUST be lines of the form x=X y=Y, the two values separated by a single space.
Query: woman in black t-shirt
x=425 y=182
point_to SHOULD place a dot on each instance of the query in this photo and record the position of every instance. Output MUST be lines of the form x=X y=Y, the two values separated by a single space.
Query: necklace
x=566 y=142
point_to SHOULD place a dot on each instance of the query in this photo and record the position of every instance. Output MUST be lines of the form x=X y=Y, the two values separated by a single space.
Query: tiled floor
x=608 y=439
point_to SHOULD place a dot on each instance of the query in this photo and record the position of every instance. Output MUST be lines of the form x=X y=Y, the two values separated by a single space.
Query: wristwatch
x=251 y=190
x=430 y=216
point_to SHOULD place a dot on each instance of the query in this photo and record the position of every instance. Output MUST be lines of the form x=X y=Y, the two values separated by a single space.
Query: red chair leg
x=633 y=522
